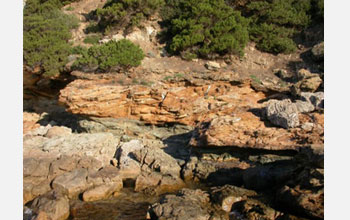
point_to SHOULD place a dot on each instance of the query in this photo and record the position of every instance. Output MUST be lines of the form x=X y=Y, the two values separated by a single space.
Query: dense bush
x=112 y=56
x=46 y=31
x=274 y=23
x=118 y=14
x=204 y=28
x=92 y=39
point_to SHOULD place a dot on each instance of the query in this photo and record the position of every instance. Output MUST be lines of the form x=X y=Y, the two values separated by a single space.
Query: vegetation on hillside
x=274 y=23
x=204 y=28
x=111 y=56
x=192 y=28
x=46 y=31
x=125 y=14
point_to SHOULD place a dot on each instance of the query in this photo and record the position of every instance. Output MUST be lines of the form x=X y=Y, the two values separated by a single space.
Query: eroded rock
x=282 y=113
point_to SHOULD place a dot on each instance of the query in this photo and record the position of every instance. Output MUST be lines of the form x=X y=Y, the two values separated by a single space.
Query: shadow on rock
x=177 y=145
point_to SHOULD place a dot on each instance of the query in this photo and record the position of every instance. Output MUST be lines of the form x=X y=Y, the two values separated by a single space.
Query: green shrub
x=119 y=14
x=92 y=39
x=46 y=31
x=276 y=22
x=204 y=28
x=113 y=55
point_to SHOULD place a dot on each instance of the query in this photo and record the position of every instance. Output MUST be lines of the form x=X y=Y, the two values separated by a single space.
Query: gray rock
x=304 y=106
x=157 y=160
x=318 y=52
x=282 y=113
x=316 y=99
x=71 y=183
x=53 y=206
x=101 y=146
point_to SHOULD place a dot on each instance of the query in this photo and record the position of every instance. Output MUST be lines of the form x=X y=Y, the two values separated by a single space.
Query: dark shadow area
x=63 y=119
x=177 y=145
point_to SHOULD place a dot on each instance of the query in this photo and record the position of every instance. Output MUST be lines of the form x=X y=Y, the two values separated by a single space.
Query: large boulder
x=282 y=113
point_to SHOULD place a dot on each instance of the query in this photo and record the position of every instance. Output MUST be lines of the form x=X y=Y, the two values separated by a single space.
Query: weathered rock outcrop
x=161 y=103
x=101 y=146
x=246 y=130
x=187 y=204
x=152 y=169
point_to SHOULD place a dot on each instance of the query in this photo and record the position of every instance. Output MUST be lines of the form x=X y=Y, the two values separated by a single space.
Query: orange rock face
x=159 y=104
x=225 y=114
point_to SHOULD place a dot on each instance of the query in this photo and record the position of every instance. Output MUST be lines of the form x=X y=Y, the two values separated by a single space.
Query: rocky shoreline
x=264 y=161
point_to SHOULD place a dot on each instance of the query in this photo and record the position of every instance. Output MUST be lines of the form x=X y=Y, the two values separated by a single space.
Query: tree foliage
x=46 y=31
x=113 y=55
x=274 y=23
x=126 y=13
x=204 y=28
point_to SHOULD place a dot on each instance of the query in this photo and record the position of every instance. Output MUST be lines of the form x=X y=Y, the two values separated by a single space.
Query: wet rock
x=227 y=195
x=211 y=65
x=58 y=131
x=187 y=204
x=101 y=192
x=51 y=206
x=71 y=183
x=318 y=52
x=304 y=194
x=282 y=113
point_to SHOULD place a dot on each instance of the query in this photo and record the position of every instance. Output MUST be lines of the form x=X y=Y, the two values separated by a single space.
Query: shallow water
x=126 y=206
